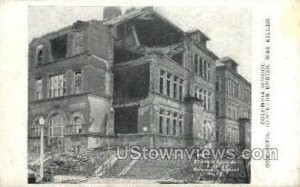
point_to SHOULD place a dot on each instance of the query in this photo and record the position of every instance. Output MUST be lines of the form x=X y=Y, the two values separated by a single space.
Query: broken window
x=77 y=81
x=59 y=47
x=38 y=89
x=39 y=54
x=57 y=86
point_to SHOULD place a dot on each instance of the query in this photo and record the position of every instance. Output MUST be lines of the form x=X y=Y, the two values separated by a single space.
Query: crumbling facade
x=157 y=89
x=130 y=79
x=233 y=105
x=70 y=86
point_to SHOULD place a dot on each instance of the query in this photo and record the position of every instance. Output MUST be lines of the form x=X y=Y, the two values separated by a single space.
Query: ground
x=80 y=168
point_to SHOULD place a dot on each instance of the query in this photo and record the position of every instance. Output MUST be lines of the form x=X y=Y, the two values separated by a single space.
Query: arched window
x=35 y=129
x=56 y=125
x=56 y=121
x=39 y=54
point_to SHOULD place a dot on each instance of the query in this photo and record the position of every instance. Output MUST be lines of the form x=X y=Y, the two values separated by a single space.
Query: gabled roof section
x=227 y=63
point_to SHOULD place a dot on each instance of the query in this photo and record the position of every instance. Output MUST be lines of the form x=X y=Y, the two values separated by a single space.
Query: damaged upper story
x=79 y=38
x=74 y=60
x=144 y=32
x=121 y=38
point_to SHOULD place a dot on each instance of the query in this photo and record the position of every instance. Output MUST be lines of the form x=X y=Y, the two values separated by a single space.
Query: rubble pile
x=72 y=163
x=83 y=163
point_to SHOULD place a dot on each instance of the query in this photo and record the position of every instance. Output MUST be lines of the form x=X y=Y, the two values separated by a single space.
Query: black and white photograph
x=132 y=93
x=138 y=95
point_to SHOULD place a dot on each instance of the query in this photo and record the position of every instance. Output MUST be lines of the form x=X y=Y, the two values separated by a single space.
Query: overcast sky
x=229 y=28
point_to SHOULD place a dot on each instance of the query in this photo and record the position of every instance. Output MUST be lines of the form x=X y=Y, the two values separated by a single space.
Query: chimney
x=111 y=12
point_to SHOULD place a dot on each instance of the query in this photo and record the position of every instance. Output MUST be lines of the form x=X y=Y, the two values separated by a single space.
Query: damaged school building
x=131 y=79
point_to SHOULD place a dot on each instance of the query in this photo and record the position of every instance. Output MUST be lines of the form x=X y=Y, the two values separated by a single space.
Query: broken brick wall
x=126 y=120
x=131 y=83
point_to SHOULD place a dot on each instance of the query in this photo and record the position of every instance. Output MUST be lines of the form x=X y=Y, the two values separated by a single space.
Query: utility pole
x=42 y=123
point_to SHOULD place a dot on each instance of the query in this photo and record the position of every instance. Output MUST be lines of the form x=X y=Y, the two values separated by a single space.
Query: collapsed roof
x=148 y=26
